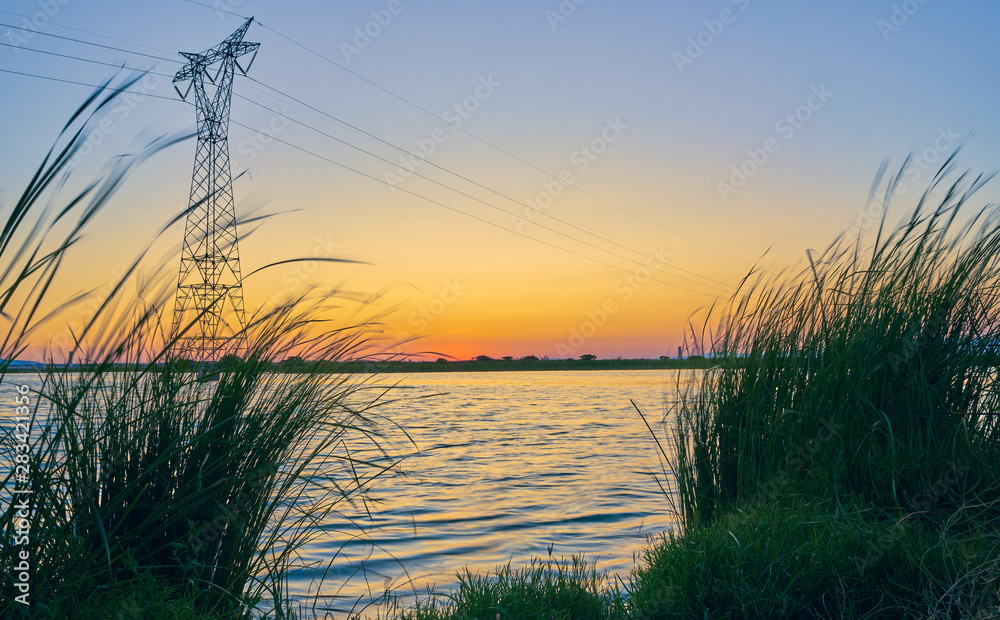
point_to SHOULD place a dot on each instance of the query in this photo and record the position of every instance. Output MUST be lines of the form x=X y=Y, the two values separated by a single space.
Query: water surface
x=510 y=464
x=502 y=467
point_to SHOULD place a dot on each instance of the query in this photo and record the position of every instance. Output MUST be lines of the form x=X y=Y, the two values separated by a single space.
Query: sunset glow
x=517 y=178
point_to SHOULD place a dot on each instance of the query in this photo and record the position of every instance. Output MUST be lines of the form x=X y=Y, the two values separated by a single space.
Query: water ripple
x=511 y=463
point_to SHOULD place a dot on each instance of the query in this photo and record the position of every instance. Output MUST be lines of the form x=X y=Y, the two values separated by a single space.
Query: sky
x=595 y=174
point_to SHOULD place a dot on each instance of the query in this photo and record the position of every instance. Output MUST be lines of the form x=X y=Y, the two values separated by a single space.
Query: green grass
x=868 y=373
x=211 y=488
x=155 y=494
x=794 y=558
x=814 y=559
x=842 y=457
x=42 y=225
x=547 y=589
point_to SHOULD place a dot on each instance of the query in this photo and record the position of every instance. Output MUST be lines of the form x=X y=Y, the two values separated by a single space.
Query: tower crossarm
x=232 y=48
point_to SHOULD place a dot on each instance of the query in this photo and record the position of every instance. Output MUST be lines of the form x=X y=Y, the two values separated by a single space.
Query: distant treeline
x=297 y=365
x=494 y=365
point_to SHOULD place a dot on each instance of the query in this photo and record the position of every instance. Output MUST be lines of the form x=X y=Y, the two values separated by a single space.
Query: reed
x=156 y=493
x=43 y=225
x=547 y=588
x=870 y=374
x=840 y=458
x=798 y=557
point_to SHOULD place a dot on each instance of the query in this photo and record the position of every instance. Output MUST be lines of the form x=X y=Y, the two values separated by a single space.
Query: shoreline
x=372 y=367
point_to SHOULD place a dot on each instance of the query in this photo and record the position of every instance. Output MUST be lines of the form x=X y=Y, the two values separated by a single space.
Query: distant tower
x=209 y=286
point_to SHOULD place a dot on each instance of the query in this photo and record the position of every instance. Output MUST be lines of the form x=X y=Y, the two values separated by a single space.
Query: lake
x=509 y=464
x=505 y=465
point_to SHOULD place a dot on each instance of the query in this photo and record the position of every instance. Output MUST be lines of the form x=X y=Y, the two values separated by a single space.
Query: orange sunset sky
x=597 y=172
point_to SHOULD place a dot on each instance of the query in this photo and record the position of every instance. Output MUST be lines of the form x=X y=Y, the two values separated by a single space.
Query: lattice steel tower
x=209 y=287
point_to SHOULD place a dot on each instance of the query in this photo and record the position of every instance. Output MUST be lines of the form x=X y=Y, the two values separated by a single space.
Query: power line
x=456 y=174
x=378 y=180
x=96 y=62
x=487 y=142
x=472 y=135
x=459 y=211
x=401 y=98
x=52 y=79
x=78 y=58
x=488 y=204
x=110 y=47
x=209 y=281
x=103 y=36
x=372 y=136
x=215 y=8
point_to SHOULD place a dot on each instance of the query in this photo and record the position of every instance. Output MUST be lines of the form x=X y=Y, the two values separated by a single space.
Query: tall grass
x=210 y=487
x=42 y=224
x=869 y=375
x=547 y=588
x=841 y=459
x=155 y=493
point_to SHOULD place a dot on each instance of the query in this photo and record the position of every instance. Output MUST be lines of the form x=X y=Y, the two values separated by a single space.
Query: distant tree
x=228 y=361
x=508 y=358
x=698 y=361
x=293 y=362
x=180 y=364
x=545 y=358
x=529 y=358
x=664 y=357
x=588 y=357
x=484 y=358
x=440 y=360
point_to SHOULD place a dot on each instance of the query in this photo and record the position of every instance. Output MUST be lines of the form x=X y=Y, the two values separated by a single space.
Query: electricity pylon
x=208 y=311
